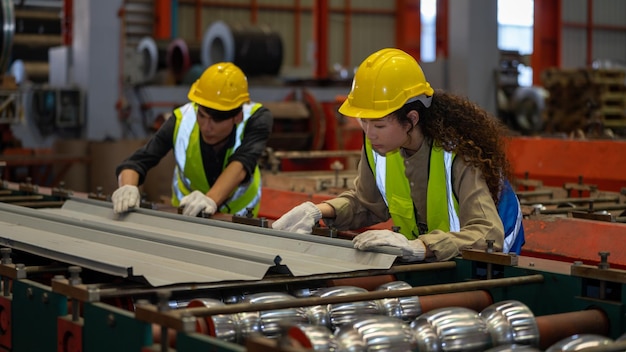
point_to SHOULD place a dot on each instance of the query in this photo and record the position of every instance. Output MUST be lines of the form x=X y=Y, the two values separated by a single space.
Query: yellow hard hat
x=222 y=86
x=383 y=83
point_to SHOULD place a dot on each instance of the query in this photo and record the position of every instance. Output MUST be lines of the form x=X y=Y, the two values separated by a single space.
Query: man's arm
x=256 y=135
x=148 y=156
x=228 y=180
x=128 y=177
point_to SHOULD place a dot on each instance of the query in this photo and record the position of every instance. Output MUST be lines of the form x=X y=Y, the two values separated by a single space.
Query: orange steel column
x=320 y=26
x=408 y=27
x=66 y=29
x=441 y=29
x=162 y=19
x=254 y=11
x=546 y=37
x=347 y=33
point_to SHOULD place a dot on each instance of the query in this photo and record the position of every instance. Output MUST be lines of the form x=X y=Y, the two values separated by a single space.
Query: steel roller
x=580 y=342
x=451 y=329
x=269 y=322
x=511 y=322
x=376 y=333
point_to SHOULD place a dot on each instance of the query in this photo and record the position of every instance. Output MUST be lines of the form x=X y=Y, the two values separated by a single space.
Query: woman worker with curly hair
x=432 y=161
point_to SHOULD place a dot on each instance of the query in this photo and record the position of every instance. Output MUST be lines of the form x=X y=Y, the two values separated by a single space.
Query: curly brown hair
x=458 y=125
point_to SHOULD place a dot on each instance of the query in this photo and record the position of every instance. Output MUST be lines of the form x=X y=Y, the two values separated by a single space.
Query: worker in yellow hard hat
x=217 y=139
x=431 y=161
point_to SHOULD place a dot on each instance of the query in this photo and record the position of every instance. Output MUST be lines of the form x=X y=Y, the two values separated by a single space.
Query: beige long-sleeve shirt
x=364 y=206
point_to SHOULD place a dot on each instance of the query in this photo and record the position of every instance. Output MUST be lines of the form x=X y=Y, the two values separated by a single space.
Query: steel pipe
x=178 y=319
x=553 y=328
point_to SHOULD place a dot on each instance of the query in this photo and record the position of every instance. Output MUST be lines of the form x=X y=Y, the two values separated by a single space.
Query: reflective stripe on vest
x=440 y=177
x=189 y=172
x=393 y=184
x=441 y=215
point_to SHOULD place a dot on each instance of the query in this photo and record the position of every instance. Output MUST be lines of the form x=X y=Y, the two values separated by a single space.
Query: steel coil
x=257 y=50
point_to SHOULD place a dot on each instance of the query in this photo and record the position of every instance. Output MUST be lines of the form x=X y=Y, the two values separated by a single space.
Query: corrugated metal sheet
x=168 y=249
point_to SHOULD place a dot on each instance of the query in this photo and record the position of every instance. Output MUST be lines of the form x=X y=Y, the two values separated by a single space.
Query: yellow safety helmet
x=383 y=83
x=222 y=86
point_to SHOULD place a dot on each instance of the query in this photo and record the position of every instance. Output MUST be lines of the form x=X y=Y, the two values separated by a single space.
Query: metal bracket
x=498 y=258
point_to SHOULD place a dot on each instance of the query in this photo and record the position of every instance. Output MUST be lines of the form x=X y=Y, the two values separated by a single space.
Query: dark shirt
x=255 y=136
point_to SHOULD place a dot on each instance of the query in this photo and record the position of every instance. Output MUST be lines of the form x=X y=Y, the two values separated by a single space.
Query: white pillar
x=95 y=64
x=473 y=52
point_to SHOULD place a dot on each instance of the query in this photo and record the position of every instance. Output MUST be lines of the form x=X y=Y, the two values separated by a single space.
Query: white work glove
x=300 y=219
x=413 y=250
x=125 y=198
x=195 y=202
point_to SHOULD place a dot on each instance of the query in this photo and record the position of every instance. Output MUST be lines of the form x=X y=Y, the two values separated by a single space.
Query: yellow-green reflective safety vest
x=189 y=172
x=443 y=210
x=394 y=187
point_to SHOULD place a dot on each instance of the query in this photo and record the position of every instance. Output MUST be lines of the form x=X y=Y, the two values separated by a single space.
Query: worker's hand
x=413 y=250
x=300 y=219
x=195 y=202
x=125 y=198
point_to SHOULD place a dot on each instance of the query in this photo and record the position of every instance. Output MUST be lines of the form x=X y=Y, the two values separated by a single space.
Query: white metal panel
x=574 y=11
x=168 y=249
x=607 y=44
x=574 y=48
x=609 y=12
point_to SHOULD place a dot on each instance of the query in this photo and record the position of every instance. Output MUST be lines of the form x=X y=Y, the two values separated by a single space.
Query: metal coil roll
x=28 y=32
x=257 y=50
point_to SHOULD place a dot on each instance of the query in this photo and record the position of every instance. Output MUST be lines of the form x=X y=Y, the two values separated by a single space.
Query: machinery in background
x=35 y=111
x=55 y=110
x=38 y=114
x=28 y=32
x=521 y=108
x=584 y=102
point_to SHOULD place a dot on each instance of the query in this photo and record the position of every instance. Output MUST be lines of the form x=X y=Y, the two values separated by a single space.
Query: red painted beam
x=441 y=30
x=321 y=20
x=567 y=239
x=556 y=161
x=162 y=19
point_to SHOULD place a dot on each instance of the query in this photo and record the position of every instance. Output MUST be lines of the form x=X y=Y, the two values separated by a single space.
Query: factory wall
x=608 y=32
x=355 y=29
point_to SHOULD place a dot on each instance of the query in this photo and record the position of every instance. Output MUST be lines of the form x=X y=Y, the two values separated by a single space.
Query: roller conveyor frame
x=556 y=291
